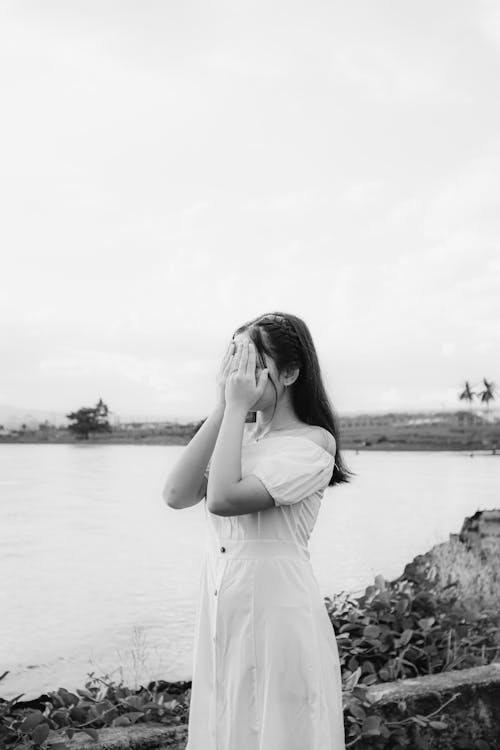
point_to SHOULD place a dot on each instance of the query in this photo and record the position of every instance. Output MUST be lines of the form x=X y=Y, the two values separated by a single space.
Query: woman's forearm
x=184 y=480
x=225 y=469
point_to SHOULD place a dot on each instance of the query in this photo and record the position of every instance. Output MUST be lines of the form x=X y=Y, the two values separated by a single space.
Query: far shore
x=384 y=445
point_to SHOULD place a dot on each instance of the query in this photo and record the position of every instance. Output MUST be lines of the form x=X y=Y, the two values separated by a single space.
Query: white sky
x=169 y=170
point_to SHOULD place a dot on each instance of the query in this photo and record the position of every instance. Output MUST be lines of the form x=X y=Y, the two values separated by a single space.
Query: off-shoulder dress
x=266 y=669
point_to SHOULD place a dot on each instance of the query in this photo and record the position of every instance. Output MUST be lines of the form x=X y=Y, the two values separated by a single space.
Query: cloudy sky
x=170 y=170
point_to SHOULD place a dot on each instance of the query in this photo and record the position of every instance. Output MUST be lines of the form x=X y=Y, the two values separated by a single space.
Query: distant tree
x=487 y=395
x=467 y=394
x=89 y=419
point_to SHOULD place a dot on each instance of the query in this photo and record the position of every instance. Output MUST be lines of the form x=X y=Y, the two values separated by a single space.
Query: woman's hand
x=225 y=367
x=241 y=386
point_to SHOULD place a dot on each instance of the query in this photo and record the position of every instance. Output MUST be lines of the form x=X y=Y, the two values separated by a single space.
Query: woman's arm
x=227 y=493
x=225 y=470
x=185 y=481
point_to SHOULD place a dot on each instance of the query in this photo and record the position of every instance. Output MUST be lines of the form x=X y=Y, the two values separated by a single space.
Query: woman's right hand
x=224 y=370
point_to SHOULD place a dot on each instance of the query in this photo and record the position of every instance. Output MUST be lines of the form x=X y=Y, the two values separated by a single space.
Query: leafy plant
x=102 y=703
x=404 y=629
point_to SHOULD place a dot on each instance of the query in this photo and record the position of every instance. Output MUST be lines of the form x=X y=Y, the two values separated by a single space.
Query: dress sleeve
x=293 y=468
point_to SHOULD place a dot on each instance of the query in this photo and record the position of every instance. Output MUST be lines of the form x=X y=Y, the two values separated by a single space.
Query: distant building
x=458 y=418
x=467 y=419
x=164 y=428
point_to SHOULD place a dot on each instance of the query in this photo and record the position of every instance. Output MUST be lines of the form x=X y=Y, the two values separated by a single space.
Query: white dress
x=266 y=670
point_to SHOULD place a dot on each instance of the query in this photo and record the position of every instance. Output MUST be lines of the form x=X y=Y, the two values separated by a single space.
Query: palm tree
x=487 y=395
x=467 y=394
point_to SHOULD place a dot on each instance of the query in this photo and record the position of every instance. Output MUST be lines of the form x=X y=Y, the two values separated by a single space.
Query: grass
x=142 y=663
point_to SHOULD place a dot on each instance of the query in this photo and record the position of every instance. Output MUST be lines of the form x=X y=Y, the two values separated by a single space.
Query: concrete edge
x=144 y=736
x=442 y=682
x=153 y=735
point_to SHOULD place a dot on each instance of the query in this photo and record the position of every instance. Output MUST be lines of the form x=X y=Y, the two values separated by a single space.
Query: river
x=98 y=575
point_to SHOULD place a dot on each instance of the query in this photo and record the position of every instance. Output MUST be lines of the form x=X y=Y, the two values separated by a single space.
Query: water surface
x=98 y=574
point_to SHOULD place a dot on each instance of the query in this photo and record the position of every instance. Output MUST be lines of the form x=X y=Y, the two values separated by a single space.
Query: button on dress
x=266 y=669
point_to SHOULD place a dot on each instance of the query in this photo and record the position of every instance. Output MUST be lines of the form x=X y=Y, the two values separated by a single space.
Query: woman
x=266 y=670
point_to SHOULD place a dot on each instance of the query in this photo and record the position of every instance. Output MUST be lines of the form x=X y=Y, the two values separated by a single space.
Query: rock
x=481 y=532
x=465 y=568
x=472 y=709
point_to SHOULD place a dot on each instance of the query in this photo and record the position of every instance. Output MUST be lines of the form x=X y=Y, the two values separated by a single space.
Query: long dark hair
x=287 y=339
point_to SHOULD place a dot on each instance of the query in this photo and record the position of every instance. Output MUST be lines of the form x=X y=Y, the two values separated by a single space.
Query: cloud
x=363 y=193
x=488 y=20
x=297 y=200
x=153 y=373
x=385 y=75
x=469 y=196
x=167 y=179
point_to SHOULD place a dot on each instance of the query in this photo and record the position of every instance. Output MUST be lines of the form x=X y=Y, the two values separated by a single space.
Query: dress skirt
x=266 y=670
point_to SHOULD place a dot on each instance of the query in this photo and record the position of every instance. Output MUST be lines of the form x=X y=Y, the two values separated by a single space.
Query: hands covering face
x=224 y=369
x=242 y=388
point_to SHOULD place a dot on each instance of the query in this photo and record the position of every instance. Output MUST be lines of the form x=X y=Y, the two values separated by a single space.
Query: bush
x=102 y=703
x=404 y=629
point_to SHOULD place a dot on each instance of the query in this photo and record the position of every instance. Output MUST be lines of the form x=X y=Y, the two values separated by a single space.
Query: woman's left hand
x=241 y=386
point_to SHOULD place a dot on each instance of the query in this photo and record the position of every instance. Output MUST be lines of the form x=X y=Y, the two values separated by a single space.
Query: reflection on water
x=97 y=573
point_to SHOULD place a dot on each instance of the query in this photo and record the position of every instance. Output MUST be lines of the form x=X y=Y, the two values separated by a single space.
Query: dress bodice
x=295 y=471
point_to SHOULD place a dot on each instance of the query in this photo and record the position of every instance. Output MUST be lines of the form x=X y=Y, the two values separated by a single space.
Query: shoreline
x=386 y=445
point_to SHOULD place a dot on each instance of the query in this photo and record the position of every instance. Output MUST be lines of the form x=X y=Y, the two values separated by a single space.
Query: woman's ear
x=291 y=376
